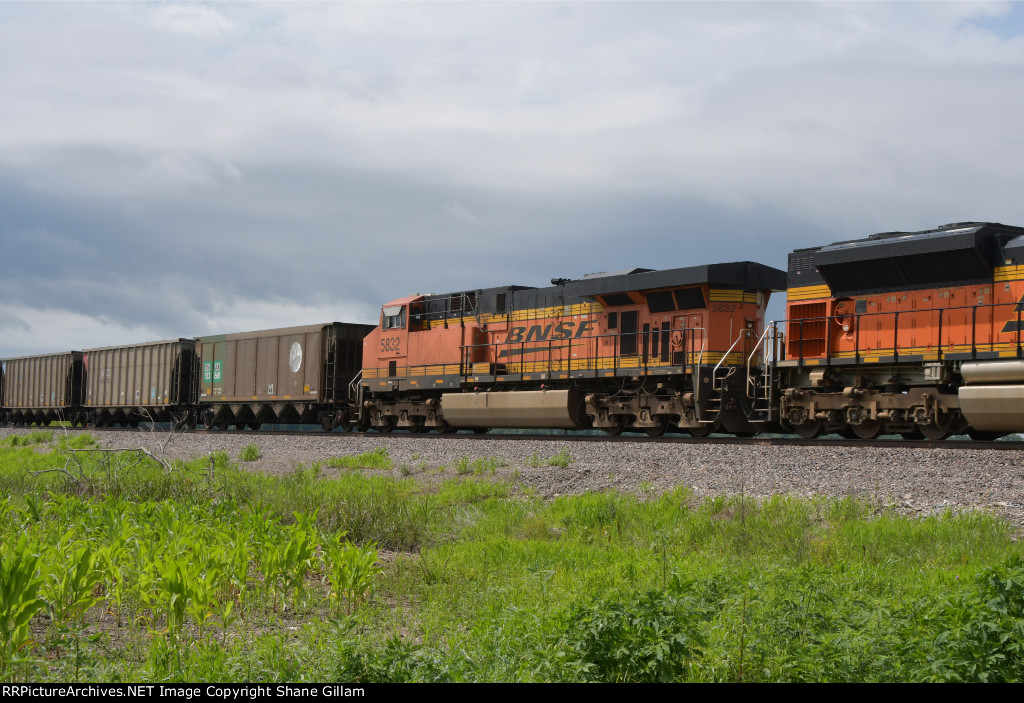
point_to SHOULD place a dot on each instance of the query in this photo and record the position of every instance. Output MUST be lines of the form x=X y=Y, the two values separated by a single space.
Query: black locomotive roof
x=955 y=254
x=743 y=275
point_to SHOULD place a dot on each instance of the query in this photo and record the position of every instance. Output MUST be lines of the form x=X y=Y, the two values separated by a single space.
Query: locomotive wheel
x=810 y=429
x=940 y=430
x=657 y=431
x=613 y=431
x=386 y=426
x=979 y=436
x=417 y=427
x=480 y=430
x=702 y=430
x=445 y=428
x=869 y=429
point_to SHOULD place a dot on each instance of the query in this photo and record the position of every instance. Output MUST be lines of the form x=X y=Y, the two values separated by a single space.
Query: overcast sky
x=177 y=169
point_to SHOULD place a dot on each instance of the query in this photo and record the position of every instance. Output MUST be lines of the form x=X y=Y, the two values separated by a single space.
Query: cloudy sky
x=173 y=169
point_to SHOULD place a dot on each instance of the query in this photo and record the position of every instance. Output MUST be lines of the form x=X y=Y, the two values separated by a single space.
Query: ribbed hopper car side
x=41 y=389
x=126 y=385
x=287 y=375
x=917 y=333
x=641 y=349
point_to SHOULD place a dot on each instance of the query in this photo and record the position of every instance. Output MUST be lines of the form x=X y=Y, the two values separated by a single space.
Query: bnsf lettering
x=542 y=333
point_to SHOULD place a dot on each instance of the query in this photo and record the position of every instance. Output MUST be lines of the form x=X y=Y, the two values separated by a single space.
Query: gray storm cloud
x=180 y=169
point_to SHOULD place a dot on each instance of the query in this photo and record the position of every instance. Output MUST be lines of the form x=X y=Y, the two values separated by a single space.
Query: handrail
x=700 y=360
x=934 y=337
x=725 y=356
x=763 y=339
x=353 y=386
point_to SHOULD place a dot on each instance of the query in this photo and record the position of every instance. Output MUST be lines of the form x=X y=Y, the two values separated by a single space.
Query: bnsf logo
x=538 y=333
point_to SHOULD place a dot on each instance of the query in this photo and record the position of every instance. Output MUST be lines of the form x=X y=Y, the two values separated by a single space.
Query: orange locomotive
x=917 y=333
x=639 y=349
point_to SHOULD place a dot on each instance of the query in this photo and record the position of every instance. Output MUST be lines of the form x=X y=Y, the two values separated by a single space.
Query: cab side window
x=394 y=317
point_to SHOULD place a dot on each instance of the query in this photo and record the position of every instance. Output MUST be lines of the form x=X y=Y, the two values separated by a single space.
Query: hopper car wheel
x=810 y=429
x=846 y=432
x=190 y=422
x=869 y=429
x=328 y=423
x=911 y=435
x=222 y=424
x=703 y=430
x=480 y=430
x=980 y=436
x=254 y=425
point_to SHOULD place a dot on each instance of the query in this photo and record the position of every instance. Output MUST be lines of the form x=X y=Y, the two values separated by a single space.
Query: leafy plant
x=69 y=582
x=648 y=639
x=352 y=571
x=19 y=601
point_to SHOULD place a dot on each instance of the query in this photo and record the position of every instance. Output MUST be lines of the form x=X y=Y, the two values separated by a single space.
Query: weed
x=561 y=460
x=250 y=452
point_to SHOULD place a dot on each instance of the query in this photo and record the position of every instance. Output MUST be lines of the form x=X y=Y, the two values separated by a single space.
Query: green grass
x=376 y=459
x=239 y=576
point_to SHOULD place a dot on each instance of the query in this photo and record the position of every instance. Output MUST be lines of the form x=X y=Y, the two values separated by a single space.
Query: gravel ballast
x=915 y=481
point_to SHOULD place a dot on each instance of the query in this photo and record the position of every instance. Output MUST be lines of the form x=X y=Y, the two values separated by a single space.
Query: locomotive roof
x=954 y=254
x=743 y=275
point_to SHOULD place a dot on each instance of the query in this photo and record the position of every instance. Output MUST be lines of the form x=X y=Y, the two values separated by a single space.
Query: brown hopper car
x=289 y=375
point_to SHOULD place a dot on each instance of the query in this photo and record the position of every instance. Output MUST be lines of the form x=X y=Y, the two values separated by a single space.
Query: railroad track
x=766 y=441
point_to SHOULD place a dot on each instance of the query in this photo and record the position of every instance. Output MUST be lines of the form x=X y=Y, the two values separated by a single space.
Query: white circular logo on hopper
x=295 y=357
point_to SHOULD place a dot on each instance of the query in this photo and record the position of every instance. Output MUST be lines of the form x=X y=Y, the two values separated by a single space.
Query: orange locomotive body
x=916 y=333
x=639 y=349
